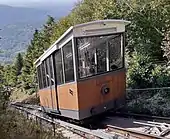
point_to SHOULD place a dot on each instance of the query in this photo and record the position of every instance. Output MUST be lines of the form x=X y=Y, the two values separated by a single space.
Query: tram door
x=52 y=84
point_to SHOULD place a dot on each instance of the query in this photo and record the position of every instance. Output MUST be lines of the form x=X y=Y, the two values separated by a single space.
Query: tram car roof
x=94 y=28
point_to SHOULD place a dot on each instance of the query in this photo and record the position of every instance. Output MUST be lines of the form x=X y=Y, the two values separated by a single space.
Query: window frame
x=63 y=61
x=46 y=81
x=61 y=46
x=51 y=70
x=47 y=74
x=122 y=35
x=43 y=72
x=55 y=76
x=45 y=65
x=39 y=76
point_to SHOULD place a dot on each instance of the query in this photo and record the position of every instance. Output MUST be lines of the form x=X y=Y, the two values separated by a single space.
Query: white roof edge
x=58 y=40
x=107 y=20
x=62 y=36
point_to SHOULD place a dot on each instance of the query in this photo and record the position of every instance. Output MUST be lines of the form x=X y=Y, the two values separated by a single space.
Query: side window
x=101 y=56
x=39 y=77
x=86 y=57
x=51 y=70
x=46 y=62
x=68 y=62
x=58 y=67
x=48 y=66
x=43 y=75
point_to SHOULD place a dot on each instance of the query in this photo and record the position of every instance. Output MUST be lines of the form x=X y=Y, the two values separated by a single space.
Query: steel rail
x=131 y=133
x=47 y=120
x=29 y=106
x=152 y=121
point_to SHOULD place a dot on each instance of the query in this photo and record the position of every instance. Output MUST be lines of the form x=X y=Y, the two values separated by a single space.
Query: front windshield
x=99 y=54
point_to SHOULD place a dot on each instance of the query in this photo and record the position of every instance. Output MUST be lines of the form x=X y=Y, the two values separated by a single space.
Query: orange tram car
x=83 y=73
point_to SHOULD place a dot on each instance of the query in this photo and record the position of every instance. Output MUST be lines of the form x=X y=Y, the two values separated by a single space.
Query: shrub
x=139 y=71
x=14 y=125
x=143 y=73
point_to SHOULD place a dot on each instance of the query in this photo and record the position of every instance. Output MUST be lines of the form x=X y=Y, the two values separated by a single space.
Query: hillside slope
x=17 y=25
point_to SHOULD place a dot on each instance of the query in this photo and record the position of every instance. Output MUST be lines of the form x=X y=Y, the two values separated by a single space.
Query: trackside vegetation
x=147 y=50
x=14 y=125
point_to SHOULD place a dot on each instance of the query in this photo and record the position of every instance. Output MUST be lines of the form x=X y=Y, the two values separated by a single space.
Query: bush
x=160 y=76
x=142 y=73
x=139 y=71
x=14 y=125
x=152 y=102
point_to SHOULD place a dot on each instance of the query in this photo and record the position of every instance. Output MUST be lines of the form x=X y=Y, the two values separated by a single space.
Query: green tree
x=18 y=63
x=10 y=75
x=47 y=32
x=4 y=91
x=166 y=45
x=40 y=42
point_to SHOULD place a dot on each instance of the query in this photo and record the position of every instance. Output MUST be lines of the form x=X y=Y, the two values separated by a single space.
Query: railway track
x=138 y=125
x=112 y=126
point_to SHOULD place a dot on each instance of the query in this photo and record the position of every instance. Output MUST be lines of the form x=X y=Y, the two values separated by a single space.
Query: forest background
x=147 y=49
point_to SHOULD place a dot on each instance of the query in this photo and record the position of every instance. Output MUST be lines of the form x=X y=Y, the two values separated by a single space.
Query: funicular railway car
x=83 y=73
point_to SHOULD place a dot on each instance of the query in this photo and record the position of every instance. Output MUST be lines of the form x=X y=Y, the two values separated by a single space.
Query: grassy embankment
x=14 y=125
